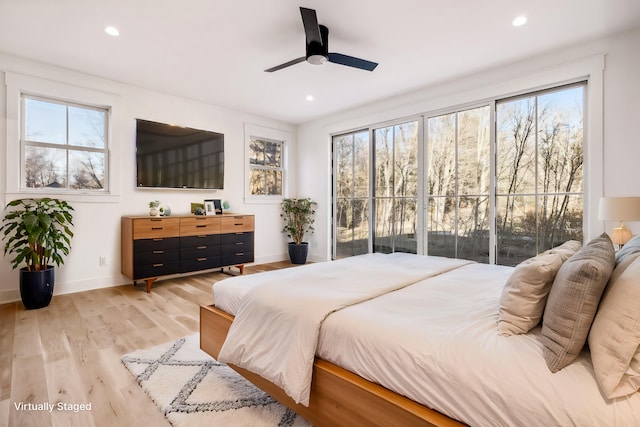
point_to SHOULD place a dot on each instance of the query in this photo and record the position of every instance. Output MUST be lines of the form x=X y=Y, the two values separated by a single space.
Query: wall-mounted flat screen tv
x=170 y=156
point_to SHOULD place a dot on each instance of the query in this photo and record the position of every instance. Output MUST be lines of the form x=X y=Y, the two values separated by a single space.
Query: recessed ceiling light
x=309 y=98
x=112 y=31
x=519 y=21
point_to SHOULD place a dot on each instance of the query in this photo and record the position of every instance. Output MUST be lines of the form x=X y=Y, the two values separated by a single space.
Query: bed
x=426 y=351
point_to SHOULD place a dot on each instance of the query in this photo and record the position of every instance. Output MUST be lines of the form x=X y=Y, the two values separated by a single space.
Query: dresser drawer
x=158 y=256
x=201 y=263
x=232 y=224
x=155 y=270
x=199 y=226
x=236 y=258
x=160 y=243
x=237 y=237
x=199 y=251
x=146 y=228
x=205 y=239
x=236 y=247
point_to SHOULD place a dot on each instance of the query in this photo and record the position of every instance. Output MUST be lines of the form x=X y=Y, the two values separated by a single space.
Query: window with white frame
x=265 y=167
x=265 y=163
x=64 y=145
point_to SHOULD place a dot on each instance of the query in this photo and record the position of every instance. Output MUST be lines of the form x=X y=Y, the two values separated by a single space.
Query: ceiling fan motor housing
x=318 y=53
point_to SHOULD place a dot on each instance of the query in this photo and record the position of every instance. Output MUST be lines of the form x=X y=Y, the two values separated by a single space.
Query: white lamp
x=620 y=209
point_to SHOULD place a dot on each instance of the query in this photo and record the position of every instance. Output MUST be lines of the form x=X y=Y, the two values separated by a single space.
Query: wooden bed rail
x=338 y=397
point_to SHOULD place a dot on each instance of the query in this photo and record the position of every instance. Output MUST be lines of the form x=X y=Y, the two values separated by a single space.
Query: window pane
x=256 y=152
x=384 y=233
x=516 y=229
x=273 y=183
x=352 y=227
x=473 y=151
x=45 y=121
x=344 y=164
x=441 y=155
x=516 y=152
x=384 y=162
x=406 y=159
x=361 y=164
x=86 y=170
x=257 y=181
x=559 y=220
x=560 y=141
x=473 y=228
x=441 y=227
x=272 y=154
x=87 y=127
x=45 y=167
x=405 y=216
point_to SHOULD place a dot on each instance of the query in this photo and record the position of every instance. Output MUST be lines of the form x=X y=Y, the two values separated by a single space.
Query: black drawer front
x=207 y=239
x=231 y=248
x=203 y=263
x=147 y=245
x=237 y=237
x=234 y=258
x=154 y=270
x=200 y=251
x=157 y=256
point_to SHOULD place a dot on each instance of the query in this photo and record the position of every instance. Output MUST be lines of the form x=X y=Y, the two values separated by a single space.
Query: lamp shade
x=620 y=209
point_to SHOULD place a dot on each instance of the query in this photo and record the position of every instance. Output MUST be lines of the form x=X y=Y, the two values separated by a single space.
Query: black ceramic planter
x=298 y=252
x=36 y=287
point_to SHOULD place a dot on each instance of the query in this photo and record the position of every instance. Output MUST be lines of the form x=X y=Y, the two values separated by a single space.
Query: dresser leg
x=149 y=283
x=241 y=268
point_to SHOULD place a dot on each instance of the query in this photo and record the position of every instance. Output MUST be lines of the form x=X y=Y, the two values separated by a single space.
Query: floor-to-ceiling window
x=458 y=184
x=395 y=193
x=539 y=160
x=351 y=190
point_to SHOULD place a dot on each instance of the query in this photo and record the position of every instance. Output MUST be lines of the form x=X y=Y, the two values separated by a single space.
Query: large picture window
x=501 y=182
x=64 y=145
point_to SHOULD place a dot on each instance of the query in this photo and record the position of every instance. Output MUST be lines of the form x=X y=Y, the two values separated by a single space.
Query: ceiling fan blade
x=311 y=28
x=286 y=64
x=350 y=61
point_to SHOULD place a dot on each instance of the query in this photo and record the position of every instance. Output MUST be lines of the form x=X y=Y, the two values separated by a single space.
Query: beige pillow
x=525 y=293
x=573 y=301
x=614 y=339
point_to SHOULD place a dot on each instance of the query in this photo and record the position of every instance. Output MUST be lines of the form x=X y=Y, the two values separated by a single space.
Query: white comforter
x=276 y=337
x=436 y=342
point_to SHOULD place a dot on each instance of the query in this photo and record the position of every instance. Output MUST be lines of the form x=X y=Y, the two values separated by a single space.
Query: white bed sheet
x=436 y=342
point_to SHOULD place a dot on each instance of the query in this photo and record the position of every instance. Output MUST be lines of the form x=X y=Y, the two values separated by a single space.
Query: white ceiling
x=216 y=50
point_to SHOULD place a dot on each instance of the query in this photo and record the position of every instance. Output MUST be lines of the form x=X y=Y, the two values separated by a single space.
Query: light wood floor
x=70 y=351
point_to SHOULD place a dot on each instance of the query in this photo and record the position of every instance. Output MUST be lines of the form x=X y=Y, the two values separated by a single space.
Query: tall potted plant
x=298 y=215
x=37 y=233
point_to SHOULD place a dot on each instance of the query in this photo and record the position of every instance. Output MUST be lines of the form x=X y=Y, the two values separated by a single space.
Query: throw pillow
x=573 y=301
x=614 y=339
x=630 y=248
x=525 y=294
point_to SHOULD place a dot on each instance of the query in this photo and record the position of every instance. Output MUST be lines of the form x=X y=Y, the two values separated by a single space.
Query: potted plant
x=298 y=215
x=37 y=232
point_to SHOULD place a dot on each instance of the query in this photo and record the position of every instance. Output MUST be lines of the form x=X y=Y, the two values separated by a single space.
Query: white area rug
x=193 y=389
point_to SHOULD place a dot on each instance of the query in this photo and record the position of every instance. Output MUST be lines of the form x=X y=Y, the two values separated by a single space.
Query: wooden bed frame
x=338 y=397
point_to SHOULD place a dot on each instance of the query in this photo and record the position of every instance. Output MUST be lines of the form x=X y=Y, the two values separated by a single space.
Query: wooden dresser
x=159 y=246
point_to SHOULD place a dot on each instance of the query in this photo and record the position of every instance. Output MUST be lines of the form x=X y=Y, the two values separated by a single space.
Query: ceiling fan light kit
x=317 y=44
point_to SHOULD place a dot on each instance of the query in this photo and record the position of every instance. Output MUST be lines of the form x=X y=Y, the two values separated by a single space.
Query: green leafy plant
x=37 y=232
x=298 y=215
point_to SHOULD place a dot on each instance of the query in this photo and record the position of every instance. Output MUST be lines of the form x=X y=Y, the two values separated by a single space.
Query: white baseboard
x=11 y=295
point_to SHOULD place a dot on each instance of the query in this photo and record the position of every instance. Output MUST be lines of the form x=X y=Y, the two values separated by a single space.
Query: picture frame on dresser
x=209 y=207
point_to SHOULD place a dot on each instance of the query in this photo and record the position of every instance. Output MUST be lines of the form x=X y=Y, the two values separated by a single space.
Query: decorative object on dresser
x=154 y=247
x=153 y=208
x=209 y=208
x=298 y=216
x=38 y=232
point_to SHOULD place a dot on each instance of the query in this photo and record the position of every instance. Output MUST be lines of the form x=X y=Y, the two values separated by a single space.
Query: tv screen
x=170 y=156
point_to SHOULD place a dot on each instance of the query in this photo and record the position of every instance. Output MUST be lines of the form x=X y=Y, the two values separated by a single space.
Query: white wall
x=97 y=221
x=612 y=129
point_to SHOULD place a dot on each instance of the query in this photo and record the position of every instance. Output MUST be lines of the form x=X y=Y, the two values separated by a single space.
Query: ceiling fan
x=318 y=47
